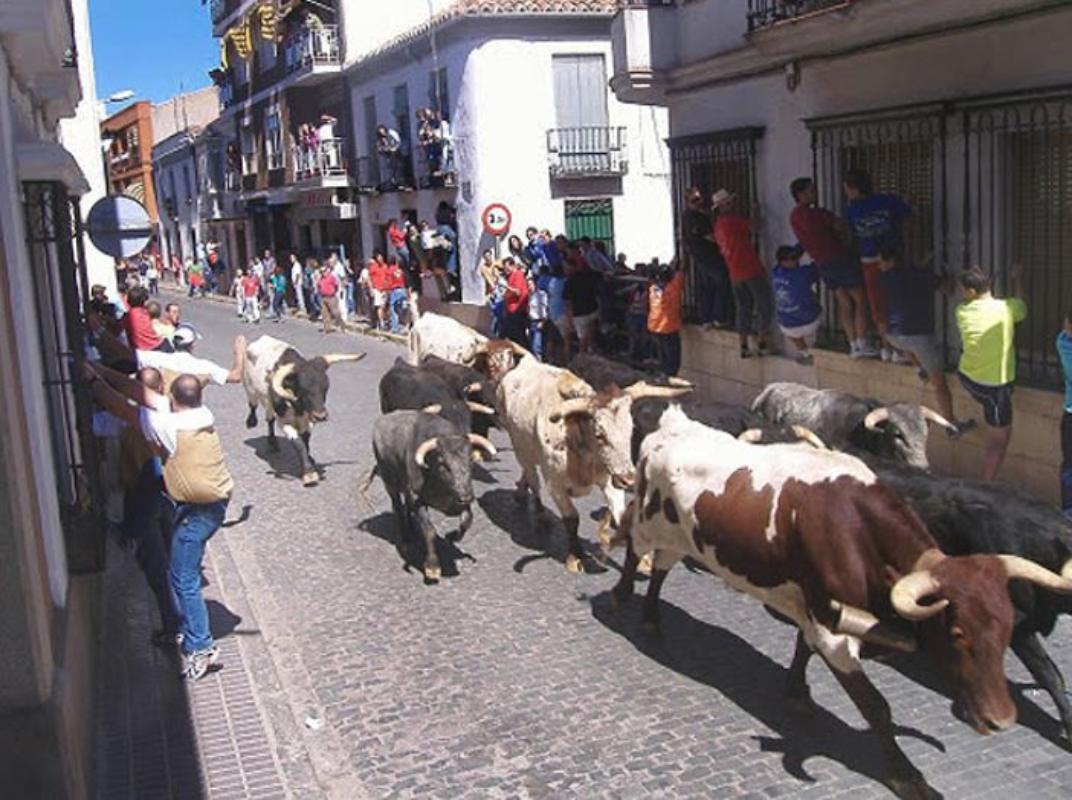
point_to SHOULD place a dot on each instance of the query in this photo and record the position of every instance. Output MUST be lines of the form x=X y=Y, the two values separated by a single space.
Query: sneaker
x=805 y=359
x=195 y=665
x=886 y=354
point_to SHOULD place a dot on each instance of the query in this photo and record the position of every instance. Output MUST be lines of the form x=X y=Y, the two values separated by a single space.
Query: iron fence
x=596 y=151
x=722 y=160
x=312 y=47
x=766 y=13
x=990 y=183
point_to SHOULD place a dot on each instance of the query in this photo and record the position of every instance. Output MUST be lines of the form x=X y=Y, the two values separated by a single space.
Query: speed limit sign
x=497 y=219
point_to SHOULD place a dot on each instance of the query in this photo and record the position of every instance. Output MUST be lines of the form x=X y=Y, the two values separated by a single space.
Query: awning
x=49 y=162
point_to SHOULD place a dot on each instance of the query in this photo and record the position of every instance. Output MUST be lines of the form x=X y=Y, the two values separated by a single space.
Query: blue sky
x=150 y=46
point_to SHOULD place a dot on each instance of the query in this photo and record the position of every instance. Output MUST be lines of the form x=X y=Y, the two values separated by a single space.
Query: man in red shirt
x=396 y=235
x=251 y=307
x=377 y=271
x=751 y=290
x=327 y=285
x=141 y=334
x=516 y=302
x=397 y=298
x=825 y=237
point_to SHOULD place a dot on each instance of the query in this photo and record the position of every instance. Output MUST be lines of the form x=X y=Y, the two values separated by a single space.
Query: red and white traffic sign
x=497 y=219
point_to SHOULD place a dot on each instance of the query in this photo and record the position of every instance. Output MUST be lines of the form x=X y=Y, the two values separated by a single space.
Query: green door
x=591 y=218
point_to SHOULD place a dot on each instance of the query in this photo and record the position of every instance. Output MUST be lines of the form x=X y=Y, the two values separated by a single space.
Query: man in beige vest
x=195 y=476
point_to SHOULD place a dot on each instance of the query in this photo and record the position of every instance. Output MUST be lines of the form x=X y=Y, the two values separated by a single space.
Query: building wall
x=187 y=110
x=120 y=175
x=501 y=135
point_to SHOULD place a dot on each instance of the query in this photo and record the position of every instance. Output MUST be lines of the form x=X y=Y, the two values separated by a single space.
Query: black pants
x=715 y=293
x=1066 y=464
x=669 y=345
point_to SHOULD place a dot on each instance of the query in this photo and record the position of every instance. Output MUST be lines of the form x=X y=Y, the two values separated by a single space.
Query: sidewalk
x=158 y=736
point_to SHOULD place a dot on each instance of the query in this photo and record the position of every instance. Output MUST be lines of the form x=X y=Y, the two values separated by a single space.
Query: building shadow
x=545 y=537
x=284 y=463
x=384 y=526
x=715 y=657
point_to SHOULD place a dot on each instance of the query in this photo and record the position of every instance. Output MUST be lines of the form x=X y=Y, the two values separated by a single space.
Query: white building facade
x=524 y=86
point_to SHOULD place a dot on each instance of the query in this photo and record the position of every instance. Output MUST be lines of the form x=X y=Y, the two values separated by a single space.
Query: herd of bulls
x=817 y=503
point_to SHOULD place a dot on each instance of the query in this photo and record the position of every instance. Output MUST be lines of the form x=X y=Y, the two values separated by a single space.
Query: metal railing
x=313 y=47
x=326 y=160
x=587 y=152
x=366 y=176
x=438 y=168
x=232 y=181
x=219 y=10
x=275 y=159
x=765 y=13
x=227 y=93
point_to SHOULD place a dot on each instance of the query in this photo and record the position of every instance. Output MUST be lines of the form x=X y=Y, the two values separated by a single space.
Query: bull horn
x=909 y=590
x=1066 y=570
x=645 y=389
x=338 y=358
x=435 y=408
x=473 y=388
x=518 y=349
x=876 y=418
x=931 y=415
x=679 y=382
x=1021 y=568
x=864 y=625
x=280 y=375
x=484 y=444
x=425 y=447
x=576 y=405
x=751 y=436
x=809 y=436
x=477 y=408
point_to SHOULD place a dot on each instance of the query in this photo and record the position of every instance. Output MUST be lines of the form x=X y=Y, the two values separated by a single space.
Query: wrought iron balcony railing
x=766 y=13
x=219 y=10
x=326 y=160
x=587 y=152
x=313 y=47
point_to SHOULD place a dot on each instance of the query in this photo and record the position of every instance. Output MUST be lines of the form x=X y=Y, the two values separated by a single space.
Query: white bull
x=445 y=337
x=576 y=438
x=290 y=388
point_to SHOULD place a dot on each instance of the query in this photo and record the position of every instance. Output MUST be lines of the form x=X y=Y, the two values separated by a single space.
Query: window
x=402 y=125
x=241 y=71
x=186 y=182
x=580 y=86
x=132 y=138
x=266 y=49
x=249 y=148
x=711 y=161
x=273 y=138
x=591 y=218
x=438 y=93
x=369 y=106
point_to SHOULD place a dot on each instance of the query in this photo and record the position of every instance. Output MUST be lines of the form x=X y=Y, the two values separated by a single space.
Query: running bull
x=846 y=422
x=437 y=335
x=405 y=387
x=424 y=462
x=815 y=536
x=292 y=389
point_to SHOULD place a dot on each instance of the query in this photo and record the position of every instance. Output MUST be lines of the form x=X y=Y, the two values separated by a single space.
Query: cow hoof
x=433 y=574
x=913 y=789
x=645 y=565
x=574 y=564
x=310 y=479
x=251 y=422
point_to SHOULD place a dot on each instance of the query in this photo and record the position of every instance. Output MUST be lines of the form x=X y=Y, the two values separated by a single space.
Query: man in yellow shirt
x=987 y=367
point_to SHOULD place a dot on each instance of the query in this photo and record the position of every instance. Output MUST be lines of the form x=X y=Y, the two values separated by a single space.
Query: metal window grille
x=57 y=258
x=765 y=13
x=1002 y=167
x=723 y=160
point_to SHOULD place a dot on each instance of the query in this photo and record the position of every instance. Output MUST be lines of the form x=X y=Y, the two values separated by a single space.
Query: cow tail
x=363 y=484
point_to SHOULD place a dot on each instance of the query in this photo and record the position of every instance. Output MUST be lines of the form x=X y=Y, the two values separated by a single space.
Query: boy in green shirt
x=987 y=367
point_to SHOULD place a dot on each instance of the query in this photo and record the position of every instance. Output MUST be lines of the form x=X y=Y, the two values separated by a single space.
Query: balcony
x=314 y=51
x=366 y=175
x=589 y=152
x=321 y=166
x=768 y=13
x=232 y=181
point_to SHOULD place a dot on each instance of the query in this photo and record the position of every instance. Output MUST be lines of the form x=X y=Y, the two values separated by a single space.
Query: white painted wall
x=367 y=25
x=502 y=95
x=81 y=136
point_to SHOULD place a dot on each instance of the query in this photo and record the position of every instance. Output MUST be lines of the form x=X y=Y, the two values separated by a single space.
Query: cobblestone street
x=513 y=678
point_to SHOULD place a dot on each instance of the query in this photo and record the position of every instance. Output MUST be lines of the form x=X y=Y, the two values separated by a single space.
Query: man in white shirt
x=185 y=362
x=338 y=269
x=296 y=274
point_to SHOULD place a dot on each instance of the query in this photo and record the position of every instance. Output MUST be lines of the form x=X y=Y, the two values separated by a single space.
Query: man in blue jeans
x=196 y=478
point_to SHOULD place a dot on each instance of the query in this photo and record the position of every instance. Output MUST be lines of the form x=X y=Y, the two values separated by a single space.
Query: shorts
x=379 y=298
x=923 y=346
x=844 y=273
x=585 y=324
x=805 y=332
x=995 y=400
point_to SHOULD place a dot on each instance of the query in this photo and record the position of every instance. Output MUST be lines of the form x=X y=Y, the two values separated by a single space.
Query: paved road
x=515 y=679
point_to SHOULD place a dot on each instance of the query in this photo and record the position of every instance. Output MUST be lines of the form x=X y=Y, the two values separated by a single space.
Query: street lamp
x=120 y=96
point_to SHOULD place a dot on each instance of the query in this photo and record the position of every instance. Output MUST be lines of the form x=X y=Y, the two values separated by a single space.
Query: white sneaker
x=886 y=354
x=897 y=357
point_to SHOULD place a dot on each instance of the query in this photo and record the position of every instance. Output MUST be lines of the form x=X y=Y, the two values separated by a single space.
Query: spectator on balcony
x=708 y=265
x=987 y=369
x=910 y=296
x=827 y=240
x=389 y=146
x=446 y=146
x=308 y=145
x=876 y=220
x=751 y=291
x=428 y=137
x=329 y=154
x=796 y=300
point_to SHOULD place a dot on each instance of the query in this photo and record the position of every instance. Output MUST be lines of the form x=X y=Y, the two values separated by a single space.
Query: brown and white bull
x=292 y=389
x=815 y=536
x=576 y=438
x=445 y=337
